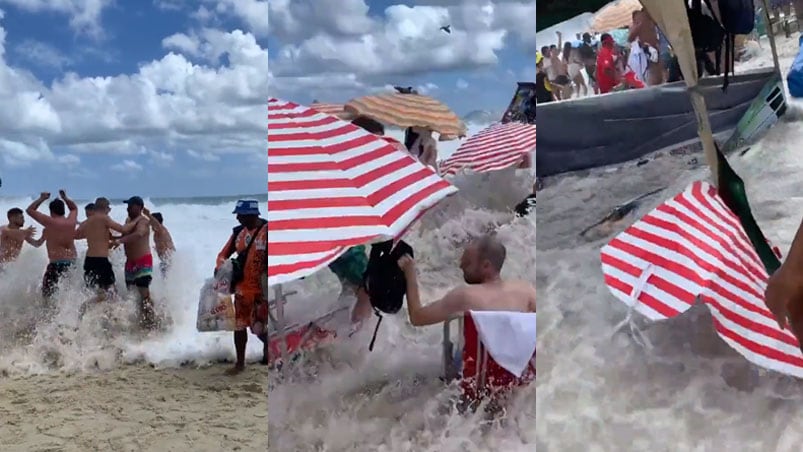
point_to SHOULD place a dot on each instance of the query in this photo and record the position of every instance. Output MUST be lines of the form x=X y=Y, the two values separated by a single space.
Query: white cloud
x=42 y=54
x=462 y=84
x=408 y=42
x=171 y=103
x=205 y=156
x=84 y=15
x=69 y=160
x=127 y=166
x=162 y=158
x=427 y=88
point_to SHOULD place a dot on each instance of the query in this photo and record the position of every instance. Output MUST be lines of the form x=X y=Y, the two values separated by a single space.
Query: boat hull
x=619 y=127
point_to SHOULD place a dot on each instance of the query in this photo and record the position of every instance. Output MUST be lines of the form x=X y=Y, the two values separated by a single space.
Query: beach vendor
x=249 y=241
x=481 y=262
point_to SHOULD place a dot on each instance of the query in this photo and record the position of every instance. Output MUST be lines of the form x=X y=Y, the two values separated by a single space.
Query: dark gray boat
x=618 y=127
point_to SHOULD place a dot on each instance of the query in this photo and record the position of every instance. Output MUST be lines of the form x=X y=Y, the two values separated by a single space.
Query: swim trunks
x=53 y=273
x=98 y=272
x=351 y=266
x=139 y=272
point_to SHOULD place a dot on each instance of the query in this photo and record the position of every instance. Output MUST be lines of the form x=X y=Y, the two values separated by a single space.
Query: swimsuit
x=139 y=272
x=351 y=266
x=98 y=272
x=53 y=273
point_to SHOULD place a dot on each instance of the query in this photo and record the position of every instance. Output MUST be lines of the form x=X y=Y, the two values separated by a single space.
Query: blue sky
x=326 y=52
x=148 y=97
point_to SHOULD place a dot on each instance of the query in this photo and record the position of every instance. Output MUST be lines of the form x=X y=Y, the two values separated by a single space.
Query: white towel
x=509 y=337
x=637 y=62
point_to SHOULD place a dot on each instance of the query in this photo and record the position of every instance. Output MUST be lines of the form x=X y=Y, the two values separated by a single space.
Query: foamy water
x=344 y=398
x=600 y=390
x=107 y=337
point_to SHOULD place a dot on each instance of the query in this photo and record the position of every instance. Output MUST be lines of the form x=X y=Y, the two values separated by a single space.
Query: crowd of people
x=597 y=64
x=61 y=229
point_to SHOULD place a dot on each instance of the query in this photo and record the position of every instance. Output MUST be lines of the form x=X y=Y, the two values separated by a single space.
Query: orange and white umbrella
x=409 y=110
x=332 y=185
x=497 y=147
x=615 y=15
x=332 y=109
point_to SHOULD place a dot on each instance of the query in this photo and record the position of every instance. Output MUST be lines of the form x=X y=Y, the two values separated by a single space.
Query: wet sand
x=136 y=408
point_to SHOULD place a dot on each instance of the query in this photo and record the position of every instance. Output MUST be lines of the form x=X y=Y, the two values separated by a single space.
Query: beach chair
x=466 y=358
x=286 y=341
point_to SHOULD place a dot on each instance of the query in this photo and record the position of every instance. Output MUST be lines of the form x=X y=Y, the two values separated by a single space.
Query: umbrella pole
x=771 y=36
x=281 y=324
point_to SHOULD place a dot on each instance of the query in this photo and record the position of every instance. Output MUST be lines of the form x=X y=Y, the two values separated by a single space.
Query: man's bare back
x=96 y=230
x=59 y=231
x=163 y=243
x=517 y=296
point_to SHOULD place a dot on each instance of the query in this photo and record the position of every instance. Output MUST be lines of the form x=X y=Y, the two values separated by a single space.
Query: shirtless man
x=96 y=229
x=12 y=235
x=59 y=236
x=139 y=260
x=481 y=264
x=645 y=33
x=162 y=240
x=89 y=209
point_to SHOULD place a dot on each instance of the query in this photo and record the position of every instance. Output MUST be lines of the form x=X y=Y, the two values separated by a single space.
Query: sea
x=107 y=337
x=684 y=389
x=344 y=398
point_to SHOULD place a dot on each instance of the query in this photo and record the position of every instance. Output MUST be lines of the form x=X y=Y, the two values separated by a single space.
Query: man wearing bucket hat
x=249 y=241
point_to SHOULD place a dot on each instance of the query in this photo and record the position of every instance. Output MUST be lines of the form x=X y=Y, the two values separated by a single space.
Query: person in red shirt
x=607 y=75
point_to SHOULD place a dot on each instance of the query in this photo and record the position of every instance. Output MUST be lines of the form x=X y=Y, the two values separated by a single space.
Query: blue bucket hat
x=247 y=207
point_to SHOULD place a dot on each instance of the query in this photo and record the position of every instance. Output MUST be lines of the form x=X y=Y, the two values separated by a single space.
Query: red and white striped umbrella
x=694 y=246
x=332 y=185
x=497 y=147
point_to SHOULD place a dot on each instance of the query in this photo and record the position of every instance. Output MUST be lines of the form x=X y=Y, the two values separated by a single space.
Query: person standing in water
x=59 y=236
x=139 y=260
x=250 y=242
x=12 y=236
x=162 y=240
x=96 y=230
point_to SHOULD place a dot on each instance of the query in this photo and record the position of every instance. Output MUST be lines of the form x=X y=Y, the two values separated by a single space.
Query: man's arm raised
x=71 y=205
x=34 y=213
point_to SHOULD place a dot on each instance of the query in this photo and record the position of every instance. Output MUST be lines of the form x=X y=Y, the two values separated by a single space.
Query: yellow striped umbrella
x=332 y=109
x=615 y=15
x=409 y=110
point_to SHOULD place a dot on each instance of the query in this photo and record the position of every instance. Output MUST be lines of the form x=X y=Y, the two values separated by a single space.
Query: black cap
x=135 y=201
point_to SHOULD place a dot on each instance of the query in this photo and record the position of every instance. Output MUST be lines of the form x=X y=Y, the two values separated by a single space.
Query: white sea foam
x=107 y=337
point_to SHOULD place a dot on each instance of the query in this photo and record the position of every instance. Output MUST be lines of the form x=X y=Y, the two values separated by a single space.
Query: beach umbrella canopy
x=497 y=147
x=409 y=110
x=332 y=109
x=694 y=247
x=332 y=185
x=615 y=15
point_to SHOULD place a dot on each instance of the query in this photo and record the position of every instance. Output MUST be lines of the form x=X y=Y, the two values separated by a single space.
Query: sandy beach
x=135 y=408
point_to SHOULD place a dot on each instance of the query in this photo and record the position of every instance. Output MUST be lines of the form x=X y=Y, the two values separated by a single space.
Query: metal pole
x=281 y=325
x=771 y=35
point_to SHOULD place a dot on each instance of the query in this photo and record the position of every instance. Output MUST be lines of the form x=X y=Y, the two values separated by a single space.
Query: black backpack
x=709 y=34
x=385 y=281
